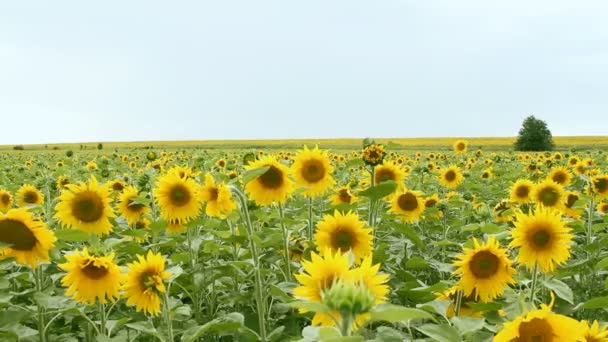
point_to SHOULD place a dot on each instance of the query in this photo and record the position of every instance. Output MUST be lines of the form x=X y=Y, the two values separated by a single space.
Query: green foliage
x=534 y=135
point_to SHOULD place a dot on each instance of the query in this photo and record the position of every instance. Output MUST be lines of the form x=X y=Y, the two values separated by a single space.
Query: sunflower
x=145 y=283
x=431 y=201
x=28 y=239
x=274 y=185
x=548 y=194
x=593 y=332
x=388 y=171
x=460 y=146
x=599 y=186
x=91 y=165
x=368 y=275
x=176 y=227
x=61 y=182
x=319 y=274
x=485 y=270
x=560 y=175
x=502 y=212
x=373 y=154
x=573 y=160
x=129 y=207
x=580 y=168
x=220 y=163
x=142 y=223
x=487 y=174
x=520 y=191
x=218 y=197
x=343 y=195
x=408 y=204
x=6 y=200
x=542 y=238
x=85 y=206
x=602 y=207
x=29 y=195
x=451 y=177
x=117 y=185
x=90 y=278
x=344 y=232
x=183 y=172
x=571 y=199
x=178 y=198
x=542 y=325
x=312 y=171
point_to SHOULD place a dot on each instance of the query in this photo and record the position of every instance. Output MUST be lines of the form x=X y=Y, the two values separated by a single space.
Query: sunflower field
x=311 y=244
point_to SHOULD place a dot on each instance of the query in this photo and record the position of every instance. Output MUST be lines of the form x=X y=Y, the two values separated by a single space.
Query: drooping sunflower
x=343 y=195
x=485 y=270
x=521 y=190
x=542 y=325
x=145 y=283
x=29 y=240
x=344 y=232
x=595 y=333
x=90 y=278
x=548 y=194
x=542 y=238
x=408 y=205
x=460 y=146
x=312 y=171
x=319 y=274
x=177 y=198
x=129 y=207
x=6 y=200
x=389 y=171
x=218 y=197
x=599 y=186
x=274 y=185
x=29 y=195
x=451 y=177
x=560 y=175
x=85 y=206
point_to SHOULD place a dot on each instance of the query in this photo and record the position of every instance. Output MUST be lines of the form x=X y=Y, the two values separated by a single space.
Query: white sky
x=178 y=70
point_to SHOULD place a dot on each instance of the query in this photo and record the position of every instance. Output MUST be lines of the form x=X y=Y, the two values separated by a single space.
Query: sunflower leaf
x=252 y=174
x=442 y=332
x=309 y=306
x=594 y=303
x=395 y=313
x=72 y=235
x=379 y=191
x=561 y=289
x=228 y=324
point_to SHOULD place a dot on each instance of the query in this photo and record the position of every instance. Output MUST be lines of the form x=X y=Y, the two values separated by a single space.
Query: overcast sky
x=179 y=70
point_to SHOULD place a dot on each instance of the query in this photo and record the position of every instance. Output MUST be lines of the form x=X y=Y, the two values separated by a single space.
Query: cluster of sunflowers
x=355 y=231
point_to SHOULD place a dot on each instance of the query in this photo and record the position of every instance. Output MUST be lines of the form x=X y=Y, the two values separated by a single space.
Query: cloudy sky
x=178 y=70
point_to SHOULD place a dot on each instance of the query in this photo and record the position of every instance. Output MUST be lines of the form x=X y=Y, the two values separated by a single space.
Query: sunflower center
x=408 y=202
x=134 y=206
x=140 y=225
x=342 y=240
x=272 y=178
x=485 y=175
x=430 y=202
x=559 y=178
x=522 y=191
x=117 y=186
x=313 y=171
x=537 y=330
x=571 y=200
x=384 y=175
x=541 y=238
x=345 y=197
x=30 y=197
x=548 y=196
x=460 y=146
x=179 y=195
x=17 y=234
x=601 y=185
x=450 y=176
x=484 y=264
x=87 y=207
x=5 y=199
x=213 y=194
x=94 y=272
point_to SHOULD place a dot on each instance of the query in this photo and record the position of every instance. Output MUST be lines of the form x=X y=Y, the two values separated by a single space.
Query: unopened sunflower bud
x=349 y=298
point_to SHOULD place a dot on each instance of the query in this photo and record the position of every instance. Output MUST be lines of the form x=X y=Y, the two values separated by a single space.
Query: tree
x=534 y=135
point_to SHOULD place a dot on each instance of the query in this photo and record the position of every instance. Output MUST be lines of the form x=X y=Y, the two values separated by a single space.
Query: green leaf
x=594 y=303
x=225 y=324
x=602 y=264
x=411 y=234
x=491 y=228
x=252 y=174
x=146 y=328
x=72 y=235
x=309 y=306
x=394 y=313
x=379 y=191
x=157 y=226
x=175 y=272
x=468 y=325
x=561 y=289
x=442 y=332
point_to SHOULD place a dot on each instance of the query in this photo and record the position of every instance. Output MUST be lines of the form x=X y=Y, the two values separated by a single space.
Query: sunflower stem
x=346 y=324
x=533 y=287
x=39 y=279
x=459 y=297
x=591 y=211
x=285 y=242
x=102 y=317
x=370 y=220
x=310 y=220
x=167 y=316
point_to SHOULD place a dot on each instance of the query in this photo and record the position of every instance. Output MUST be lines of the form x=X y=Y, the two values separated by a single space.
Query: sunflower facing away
x=560 y=175
x=343 y=195
x=344 y=232
x=274 y=185
x=542 y=325
x=485 y=270
x=548 y=194
x=85 y=206
x=90 y=278
x=29 y=195
x=218 y=197
x=177 y=198
x=542 y=238
x=145 y=283
x=6 y=200
x=520 y=191
x=312 y=171
x=451 y=177
x=408 y=205
x=129 y=208
x=28 y=239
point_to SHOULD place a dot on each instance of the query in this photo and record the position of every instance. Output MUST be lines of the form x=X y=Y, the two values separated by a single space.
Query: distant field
x=492 y=143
